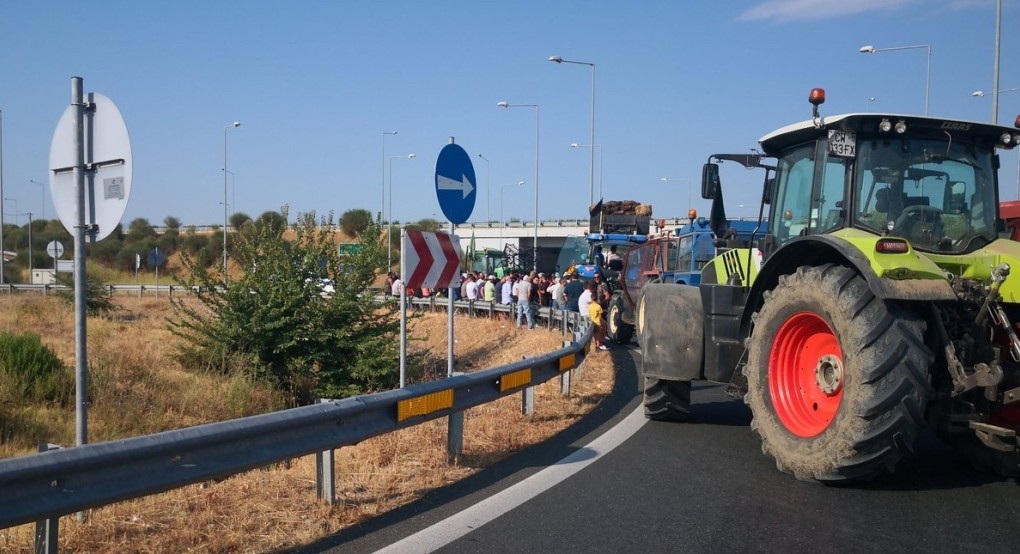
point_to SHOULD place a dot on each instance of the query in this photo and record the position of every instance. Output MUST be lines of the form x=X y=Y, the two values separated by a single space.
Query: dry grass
x=275 y=507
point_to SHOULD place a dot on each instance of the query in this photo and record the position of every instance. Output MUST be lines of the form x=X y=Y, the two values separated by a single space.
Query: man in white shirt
x=397 y=286
x=524 y=310
x=551 y=291
x=506 y=293
x=472 y=288
x=584 y=301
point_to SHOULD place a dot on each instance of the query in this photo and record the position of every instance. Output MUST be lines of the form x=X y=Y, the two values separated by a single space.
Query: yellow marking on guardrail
x=514 y=380
x=424 y=405
x=567 y=362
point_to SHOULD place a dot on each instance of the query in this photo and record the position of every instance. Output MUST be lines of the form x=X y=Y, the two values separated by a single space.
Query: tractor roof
x=799 y=133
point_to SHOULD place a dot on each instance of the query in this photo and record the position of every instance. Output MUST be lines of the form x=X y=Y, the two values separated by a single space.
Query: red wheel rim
x=806 y=374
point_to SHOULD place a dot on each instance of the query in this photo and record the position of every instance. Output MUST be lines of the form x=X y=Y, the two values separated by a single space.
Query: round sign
x=108 y=184
x=156 y=258
x=455 y=183
x=55 y=249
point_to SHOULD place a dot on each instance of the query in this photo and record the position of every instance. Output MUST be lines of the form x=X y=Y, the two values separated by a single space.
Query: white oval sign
x=108 y=149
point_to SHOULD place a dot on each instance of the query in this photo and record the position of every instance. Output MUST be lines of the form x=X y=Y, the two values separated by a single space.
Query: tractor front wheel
x=837 y=377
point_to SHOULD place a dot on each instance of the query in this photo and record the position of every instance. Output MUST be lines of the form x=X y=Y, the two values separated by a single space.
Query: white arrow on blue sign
x=455 y=183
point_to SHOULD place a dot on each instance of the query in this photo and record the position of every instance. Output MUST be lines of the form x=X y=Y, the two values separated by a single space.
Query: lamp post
x=502 y=222
x=42 y=196
x=1 y=197
x=488 y=189
x=382 y=186
x=30 y=268
x=505 y=104
x=591 y=171
x=389 y=218
x=667 y=180
x=867 y=104
x=225 y=129
x=593 y=146
x=869 y=49
x=980 y=94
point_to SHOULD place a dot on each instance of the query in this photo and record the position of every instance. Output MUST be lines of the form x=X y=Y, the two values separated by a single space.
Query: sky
x=316 y=84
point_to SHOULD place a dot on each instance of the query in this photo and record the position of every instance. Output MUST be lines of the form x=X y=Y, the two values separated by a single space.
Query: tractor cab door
x=809 y=194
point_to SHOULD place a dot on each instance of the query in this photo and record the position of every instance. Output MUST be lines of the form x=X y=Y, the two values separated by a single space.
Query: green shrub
x=30 y=370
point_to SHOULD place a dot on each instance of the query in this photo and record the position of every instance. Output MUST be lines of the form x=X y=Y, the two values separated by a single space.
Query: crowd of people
x=529 y=292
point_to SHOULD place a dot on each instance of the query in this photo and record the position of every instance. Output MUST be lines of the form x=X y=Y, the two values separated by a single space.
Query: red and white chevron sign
x=430 y=260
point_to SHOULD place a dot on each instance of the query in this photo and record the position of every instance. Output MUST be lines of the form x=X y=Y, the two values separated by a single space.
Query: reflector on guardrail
x=426 y=404
x=567 y=362
x=515 y=380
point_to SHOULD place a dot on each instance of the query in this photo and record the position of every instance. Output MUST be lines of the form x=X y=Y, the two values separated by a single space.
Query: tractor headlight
x=901 y=127
x=1006 y=138
x=885 y=126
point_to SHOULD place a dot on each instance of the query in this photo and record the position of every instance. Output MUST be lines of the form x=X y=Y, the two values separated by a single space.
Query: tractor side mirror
x=709 y=181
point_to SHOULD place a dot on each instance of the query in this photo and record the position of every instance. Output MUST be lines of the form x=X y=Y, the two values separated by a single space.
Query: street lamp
x=42 y=196
x=382 y=186
x=505 y=104
x=1 y=197
x=980 y=94
x=488 y=190
x=667 y=180
x=225 y=129
x=869 y=49
x=867 y=104
x=599 y=146
x=501 y=221
x=389 y=218
x=591 y=171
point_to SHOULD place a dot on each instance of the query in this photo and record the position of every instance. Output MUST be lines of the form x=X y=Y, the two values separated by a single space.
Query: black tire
x=618 y=330
x=667 y=400
x=859 y=410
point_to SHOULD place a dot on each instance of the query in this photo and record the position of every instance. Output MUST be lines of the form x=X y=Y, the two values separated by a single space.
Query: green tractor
x=875 y=298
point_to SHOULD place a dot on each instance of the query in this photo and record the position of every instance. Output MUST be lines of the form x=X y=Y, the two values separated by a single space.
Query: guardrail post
x=455 y=433
x=47 y=530
x=492 y=309
x=325 y=481
x=528 y=401
x=565 y=383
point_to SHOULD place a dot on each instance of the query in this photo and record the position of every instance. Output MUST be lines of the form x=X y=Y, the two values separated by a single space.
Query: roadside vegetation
x=140 y=386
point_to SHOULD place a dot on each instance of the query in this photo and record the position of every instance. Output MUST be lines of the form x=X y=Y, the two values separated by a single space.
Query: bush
x=97 y=299
x=30 y=370
x=302 y=342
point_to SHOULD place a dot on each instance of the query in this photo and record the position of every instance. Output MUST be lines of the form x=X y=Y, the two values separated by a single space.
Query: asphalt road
x=705 y=486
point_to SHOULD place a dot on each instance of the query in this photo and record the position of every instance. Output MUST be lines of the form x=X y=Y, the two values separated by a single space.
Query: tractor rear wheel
x=837 y=377
x=619 y=330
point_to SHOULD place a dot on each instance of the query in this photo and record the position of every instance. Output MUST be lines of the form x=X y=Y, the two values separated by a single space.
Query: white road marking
x=456 y=526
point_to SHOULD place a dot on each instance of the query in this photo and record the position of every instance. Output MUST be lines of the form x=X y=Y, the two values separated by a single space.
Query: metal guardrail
x=59 y=482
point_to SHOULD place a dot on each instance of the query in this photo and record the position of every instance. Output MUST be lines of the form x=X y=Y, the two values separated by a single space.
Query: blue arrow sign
x=455 y=183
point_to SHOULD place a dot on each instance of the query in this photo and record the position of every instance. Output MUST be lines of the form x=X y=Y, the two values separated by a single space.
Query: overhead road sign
x=456 y=186
x=430 y=260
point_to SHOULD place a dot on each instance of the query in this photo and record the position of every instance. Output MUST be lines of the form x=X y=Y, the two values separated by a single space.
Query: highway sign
x=55 y=249
x=108 y=163
x=430 y=260
x=455 y=183
x=156 y=258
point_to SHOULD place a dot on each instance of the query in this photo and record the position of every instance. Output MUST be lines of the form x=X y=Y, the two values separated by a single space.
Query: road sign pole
x=403 y=313
x=449 y=319
x=81 y=377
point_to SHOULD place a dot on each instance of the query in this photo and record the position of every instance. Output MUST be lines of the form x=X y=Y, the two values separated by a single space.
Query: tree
x=238 y=219
x=171 y=222
x=307 y=342
x=140 y=229
x=354 y=222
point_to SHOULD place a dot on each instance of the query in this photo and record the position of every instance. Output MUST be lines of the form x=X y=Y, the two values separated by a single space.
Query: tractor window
x=938 y=194
x=792 y=207
x=685 y=253
x=828 y=214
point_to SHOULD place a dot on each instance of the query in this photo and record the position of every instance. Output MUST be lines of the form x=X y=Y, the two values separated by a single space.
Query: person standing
x=552 y=291
x=587 y=298
x=573 y=291
x=602 y=291
x=524 y=310
x=471 y=288
x=507 y=293
x=397 y=285
x=489 y=290
x=595 y=313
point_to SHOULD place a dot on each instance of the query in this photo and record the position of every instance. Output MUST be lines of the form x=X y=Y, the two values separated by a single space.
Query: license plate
x=842 y=143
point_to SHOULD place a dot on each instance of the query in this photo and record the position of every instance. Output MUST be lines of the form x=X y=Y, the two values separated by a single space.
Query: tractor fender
x=819 y=250
x=671 y=331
